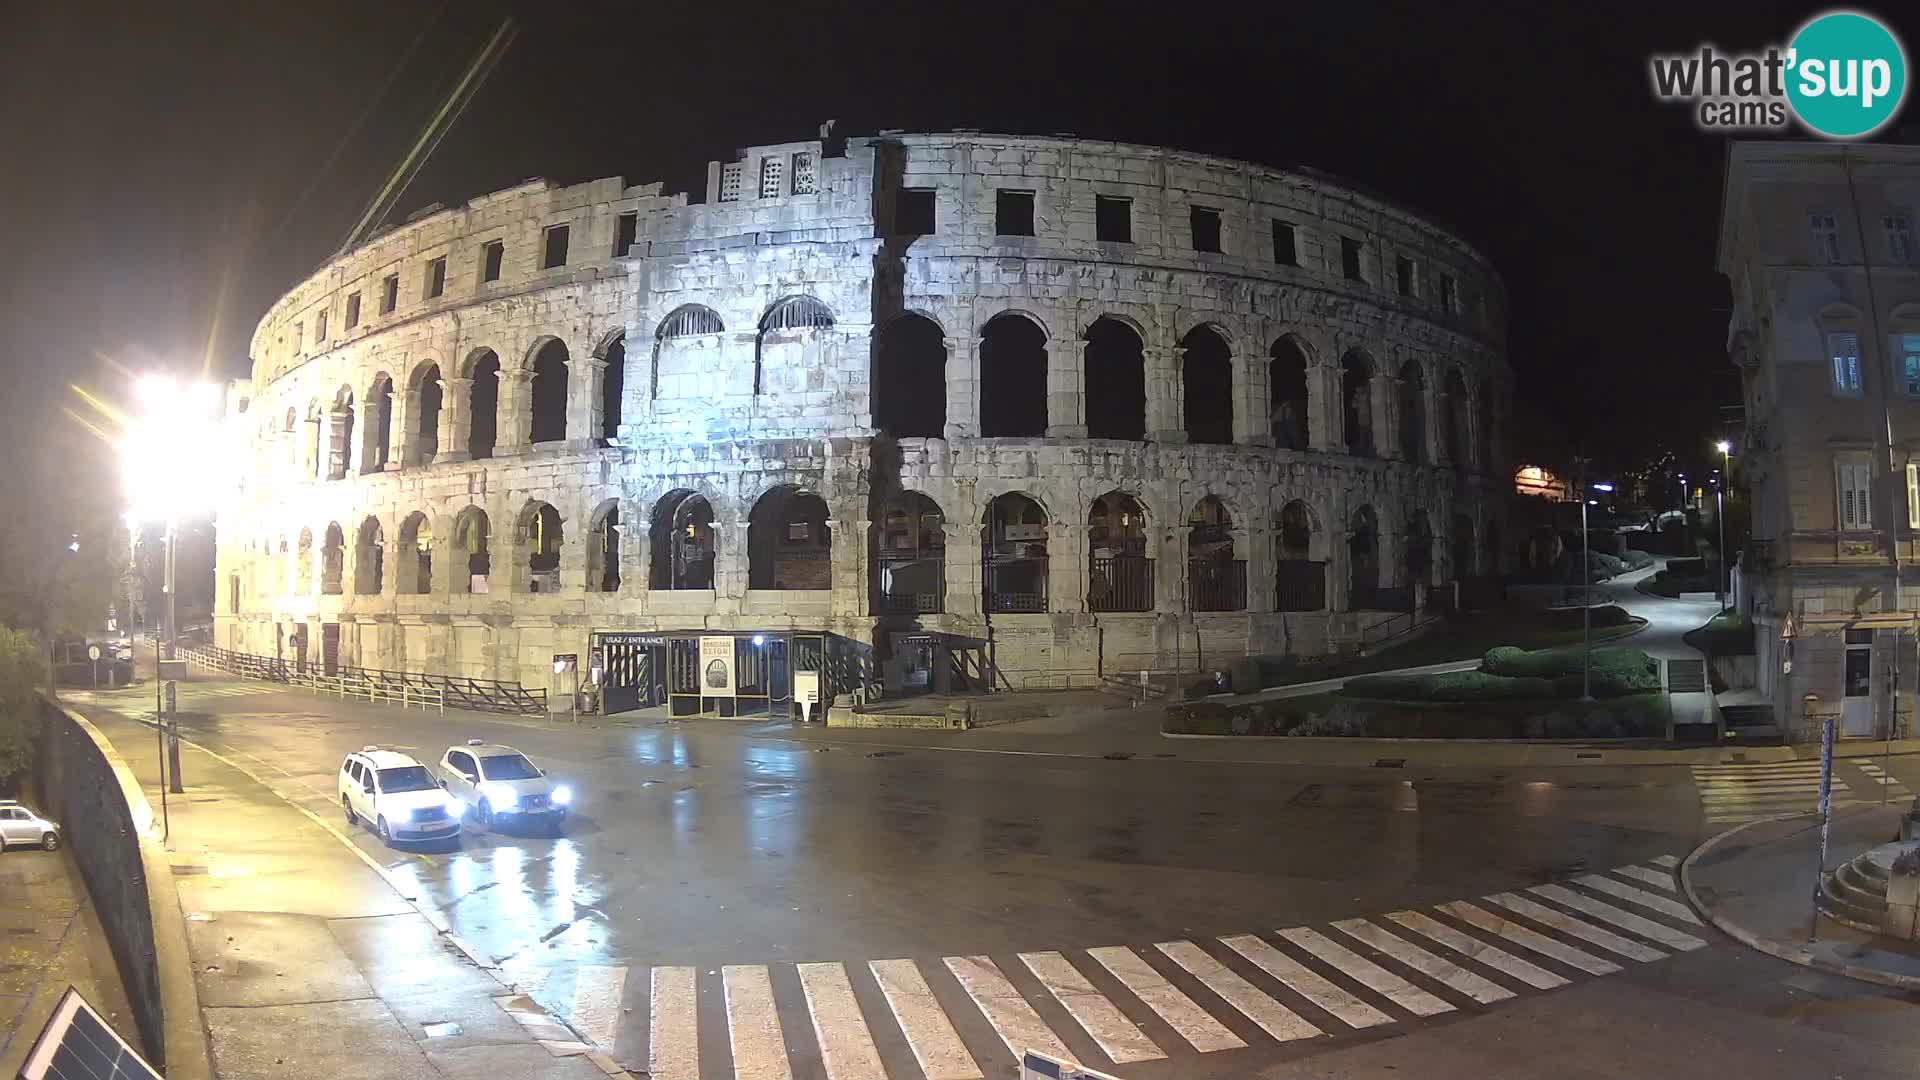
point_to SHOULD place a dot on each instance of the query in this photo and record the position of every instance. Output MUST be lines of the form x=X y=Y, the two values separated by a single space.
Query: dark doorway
x=484 y=431
x=1116 y=382
x=910 y=379
x=1207 y=376
x=549 y=423
x=1013 y=378
x=613 y=383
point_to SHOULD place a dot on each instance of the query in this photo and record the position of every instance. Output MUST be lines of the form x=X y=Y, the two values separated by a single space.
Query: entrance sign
x=806 y=693
x=716 y=666
x=565 y=662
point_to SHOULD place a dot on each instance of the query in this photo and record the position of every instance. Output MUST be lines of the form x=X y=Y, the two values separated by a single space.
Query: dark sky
x=165 y=172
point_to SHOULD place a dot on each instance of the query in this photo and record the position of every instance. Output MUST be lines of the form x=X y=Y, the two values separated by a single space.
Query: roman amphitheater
x=912 y=412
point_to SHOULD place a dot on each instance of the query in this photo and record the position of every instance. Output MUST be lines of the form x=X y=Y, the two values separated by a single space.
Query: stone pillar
x=962 y=568
x=1339 y=569
x=1257 y=549
x=963 y=388
x=402 y=450
x=1169 y=547
x=515 y=412
x=1441 y=409
x=1252 y=401
x=586 y=378
x=1385 y=434
x=730 y=562
x=456 y=419
x=849 y=559
x=1166 y=395
x=1066 y=567
x=1067 y=389
x=1323 y=406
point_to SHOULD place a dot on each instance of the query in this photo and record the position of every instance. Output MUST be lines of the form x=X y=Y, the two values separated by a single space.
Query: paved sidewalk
x=1756 y=883
x=308 y=961
x=51 y=939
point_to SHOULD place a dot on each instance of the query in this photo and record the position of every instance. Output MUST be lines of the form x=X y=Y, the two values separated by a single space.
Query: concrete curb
x=1790 y=954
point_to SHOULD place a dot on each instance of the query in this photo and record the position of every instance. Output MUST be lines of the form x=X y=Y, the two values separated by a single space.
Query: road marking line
x=1193 y=1023
x=846 y=1046
x=1626 y=920
x=597 y=994
x=1017 y=1024
x=1474 y=949
x=1367 y=973
x=673 y=1043
x=753 y=1024
x=1520 y=935
x=1639 y=896
x=1652 y=877
x=1573 y=927
x=1668 y=861
x=1484 y=991
x=936 y=1046
x=1274 y=1018
x=1306 y=982
x=1119 y=1039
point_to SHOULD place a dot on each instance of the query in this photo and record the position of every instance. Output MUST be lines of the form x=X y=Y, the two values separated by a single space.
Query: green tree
x=22 y=670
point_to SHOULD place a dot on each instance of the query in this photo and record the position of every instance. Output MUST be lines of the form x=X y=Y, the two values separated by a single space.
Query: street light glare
x=1603 y=487
x=1723 y=446
x=171 y=450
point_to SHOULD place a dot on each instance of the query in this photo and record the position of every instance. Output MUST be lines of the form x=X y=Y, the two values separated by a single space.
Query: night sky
x=169 y=169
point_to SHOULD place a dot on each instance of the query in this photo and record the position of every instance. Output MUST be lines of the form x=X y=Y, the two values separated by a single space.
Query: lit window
x=1910 y=364
x=730 y=182
x=803 y=178
x=1844 y=349
x=1823 y=233
x=1899 y=237
x=771 y=171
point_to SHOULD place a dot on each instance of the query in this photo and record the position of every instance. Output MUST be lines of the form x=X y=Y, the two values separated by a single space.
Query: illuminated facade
x=954 y=409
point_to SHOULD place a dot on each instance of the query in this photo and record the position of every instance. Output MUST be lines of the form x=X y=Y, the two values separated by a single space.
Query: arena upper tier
x=911 y=410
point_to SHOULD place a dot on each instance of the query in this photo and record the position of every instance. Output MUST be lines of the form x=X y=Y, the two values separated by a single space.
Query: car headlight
x=501 y=796
x=562 y=795
x=456 y=806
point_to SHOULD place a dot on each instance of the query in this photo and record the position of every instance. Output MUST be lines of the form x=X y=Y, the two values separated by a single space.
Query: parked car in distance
x=397 y=796
x=20 y=826
x=499 y=781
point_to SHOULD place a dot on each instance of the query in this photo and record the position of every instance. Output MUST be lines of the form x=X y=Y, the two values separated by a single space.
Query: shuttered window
x=1856 y=495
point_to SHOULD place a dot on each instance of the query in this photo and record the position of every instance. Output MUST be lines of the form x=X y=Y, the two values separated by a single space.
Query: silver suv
x=19 y=825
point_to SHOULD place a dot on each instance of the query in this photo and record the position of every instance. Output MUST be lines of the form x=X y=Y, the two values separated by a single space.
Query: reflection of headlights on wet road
x=501 y=796
x=563 y=796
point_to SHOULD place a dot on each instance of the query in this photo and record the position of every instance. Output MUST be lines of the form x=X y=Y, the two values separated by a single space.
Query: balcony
x=1123 y=583
x=910 y=585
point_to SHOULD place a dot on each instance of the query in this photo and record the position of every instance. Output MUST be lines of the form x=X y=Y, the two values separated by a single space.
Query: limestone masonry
x=912 y=411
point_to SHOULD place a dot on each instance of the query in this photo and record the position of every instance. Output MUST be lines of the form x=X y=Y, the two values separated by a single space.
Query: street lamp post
x=1586 y=598
x=1725 y=580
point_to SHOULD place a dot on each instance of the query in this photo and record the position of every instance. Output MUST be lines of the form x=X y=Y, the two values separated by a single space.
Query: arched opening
x=613 y=384
x=1363 y=560
x=1119 y=573
x=1413 y=412
x=303 y=564
x=483 y=426
x=340 y=438
x=603 y=549
x=1356 y=396
x=1216 y=581
x=1300 y=569
x=910 y=557
x=789 y=545
x=910 y=379
x=1013 y=543
x=1206 y=375
x=1013 y=377
x=471 y=541
x=416 y=556
x=788 y=343
x=681 y=539
x=333 y=559
x=1452 y=413
x=374 y=456
x=1418 y=566
x=549 y=396
x=1287 y=394
x=1462 y=549
x=289 y=433
x=1486 y=427
x=1116 y=382
x=426 y=438
x=541 y=537
x=679 y=359
x=369 y=559
x=316 y=458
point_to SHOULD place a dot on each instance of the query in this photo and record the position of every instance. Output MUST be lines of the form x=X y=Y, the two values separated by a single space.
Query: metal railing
x=408 y=688
x=1014 y=585
x=1217 y=584
x=1300 y=585
x=1121 y=583
x=901 y=597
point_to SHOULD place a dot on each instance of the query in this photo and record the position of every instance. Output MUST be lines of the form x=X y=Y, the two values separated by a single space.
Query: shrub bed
x=1642 y=715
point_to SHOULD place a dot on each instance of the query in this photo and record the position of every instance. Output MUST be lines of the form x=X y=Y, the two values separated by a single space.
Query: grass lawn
x=1468 y=640
x=1726 y=634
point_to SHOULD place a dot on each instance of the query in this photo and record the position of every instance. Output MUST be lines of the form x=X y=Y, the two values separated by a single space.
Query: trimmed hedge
x=1449 y=686
x=1642 y=715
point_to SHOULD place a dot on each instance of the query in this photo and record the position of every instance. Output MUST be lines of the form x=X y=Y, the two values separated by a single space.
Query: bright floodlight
x=172 y=449
x=1603 y=487
x=1723 y=446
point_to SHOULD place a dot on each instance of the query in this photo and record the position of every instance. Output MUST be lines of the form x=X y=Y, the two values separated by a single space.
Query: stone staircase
x=1855 y=892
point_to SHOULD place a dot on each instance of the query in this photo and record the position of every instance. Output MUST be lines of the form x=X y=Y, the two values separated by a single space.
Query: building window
x=389 y=294
x=803 y=178
x=299 y=336
x=1013 y=213
x=1350 y=258
x=436 y=277
x=319 y=326
x=353 y=310
x=491 y=257
x=1844 y=348
x=1206 y=228
x=913 y=212
x=1113 y=219
x=1913 y=496
x=1856 y=495
x=1449 y=295
x=625 y=234
x=1899 y=237
x=772 y=172
x=554 y=251
x=1910 y=364
x=1403 y=274
x=730 y=182
x=1284 y=251
x=1823 y=232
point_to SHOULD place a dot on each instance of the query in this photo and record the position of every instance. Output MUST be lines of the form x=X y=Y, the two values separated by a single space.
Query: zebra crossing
x=969 y=1017
x=1734 y=793
x=188 y=690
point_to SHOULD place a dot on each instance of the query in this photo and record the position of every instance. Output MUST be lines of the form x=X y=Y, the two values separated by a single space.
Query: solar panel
x=77 y=1044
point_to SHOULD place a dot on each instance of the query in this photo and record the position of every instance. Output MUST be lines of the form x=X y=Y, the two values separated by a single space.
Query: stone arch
x=1417 y=562
x=1119 y=548
x=1013 y=376
x=369 y=558
x=789 y=543
x=472 y=548
x=340 y=435
x=788 y=331
x=613 y=385
x=547 y=402
x=910 y=556
x=415 y=563
x=540 y=533
x=1206 y=376
x=686 y=323
x=1356 y=398
x=604 y=529
x=483 y=415
x=1300 y=558
x=428 y=397
x=1485 y=427
x=909 y=383
x=379 y=424
x=1116 y=379
x=1288 y=392
x=1413 y=412
x=1454 y=407
x=333 y=559
x=1363 y=559
x=1216 y=580
x=1013 y=551
x=681 y=541
x=1461 y=547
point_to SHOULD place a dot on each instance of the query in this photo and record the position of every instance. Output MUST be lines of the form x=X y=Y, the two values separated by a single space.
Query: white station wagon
x=397 y=796
x=498 y=781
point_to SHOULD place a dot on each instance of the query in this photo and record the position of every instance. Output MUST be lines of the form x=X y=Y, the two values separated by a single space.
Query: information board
x=716 y=666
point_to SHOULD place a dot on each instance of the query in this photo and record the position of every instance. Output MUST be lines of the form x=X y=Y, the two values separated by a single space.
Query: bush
x=1199 y=718
x=1339 y=723
x=1506 y=660
x=1637 y=560
x=23 y=670
x=1449 y=686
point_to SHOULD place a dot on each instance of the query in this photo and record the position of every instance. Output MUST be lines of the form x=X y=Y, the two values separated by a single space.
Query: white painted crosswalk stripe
x=673 y=1051
x=846 y=1046
x=1474 y=949
x=1625 y=920
x=753 y=1025
x=597 y=993
x=1519 y=935
x=1192 y=1022
x=1118 y=1038
x=930 y=1035
x=1567 y=924
x=1017 y=1024
x=1366 y=972
x=1668 y=861
x=1274 y=1018
x=1639 y=896
x=1484 y=991
x=1662 y=878
x=1306 y=982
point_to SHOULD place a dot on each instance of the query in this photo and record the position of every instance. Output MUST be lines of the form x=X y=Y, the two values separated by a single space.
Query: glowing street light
x=1586 y=599
x=1723 y=582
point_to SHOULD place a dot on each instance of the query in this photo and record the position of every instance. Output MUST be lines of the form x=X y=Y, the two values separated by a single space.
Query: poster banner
x=716 y=666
